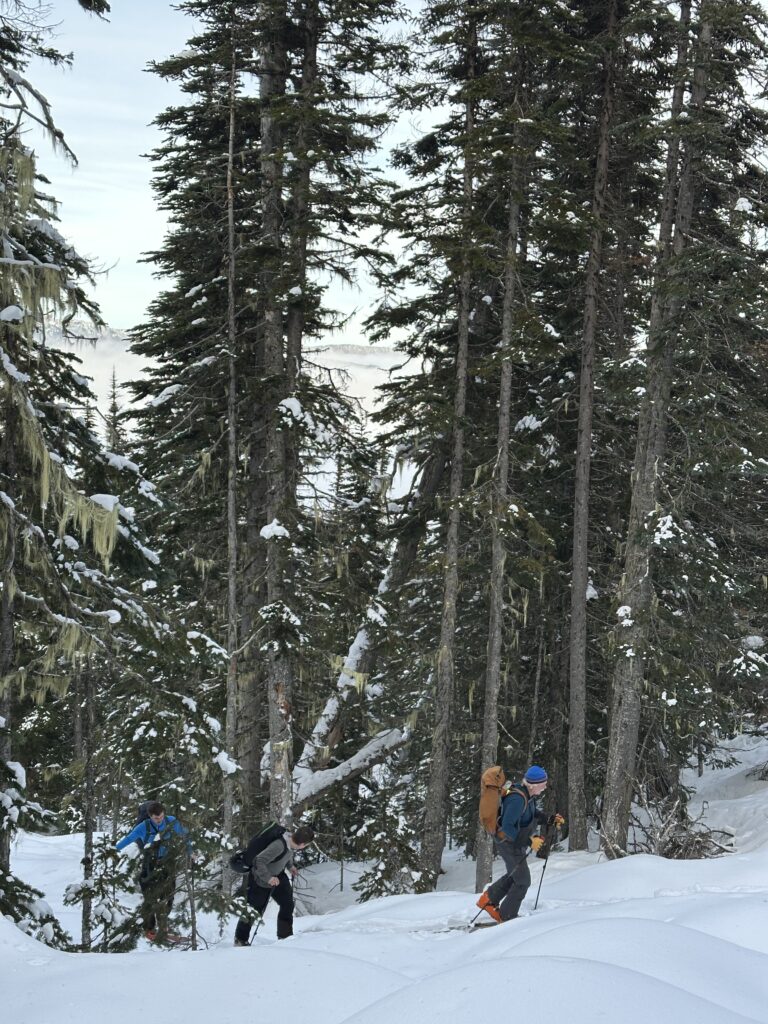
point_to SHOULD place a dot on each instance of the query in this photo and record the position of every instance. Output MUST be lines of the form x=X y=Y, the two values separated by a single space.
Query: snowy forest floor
x=673 y=942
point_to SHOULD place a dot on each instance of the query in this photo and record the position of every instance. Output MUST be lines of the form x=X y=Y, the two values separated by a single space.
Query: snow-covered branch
x=350 y=681
x=315 y=784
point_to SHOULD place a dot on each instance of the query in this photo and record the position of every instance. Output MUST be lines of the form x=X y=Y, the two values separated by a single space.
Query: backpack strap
x=521 y=791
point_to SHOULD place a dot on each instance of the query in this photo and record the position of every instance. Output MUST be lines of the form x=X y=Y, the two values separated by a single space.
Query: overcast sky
x=104 y=104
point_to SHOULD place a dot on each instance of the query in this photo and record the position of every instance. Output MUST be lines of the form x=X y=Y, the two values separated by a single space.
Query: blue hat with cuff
x=535 y=774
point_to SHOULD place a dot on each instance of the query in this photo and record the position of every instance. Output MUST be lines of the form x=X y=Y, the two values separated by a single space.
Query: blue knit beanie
x=535 y=774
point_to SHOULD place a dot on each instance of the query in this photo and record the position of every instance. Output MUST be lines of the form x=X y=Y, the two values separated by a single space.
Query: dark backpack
x=241 y=861
x=143 y=815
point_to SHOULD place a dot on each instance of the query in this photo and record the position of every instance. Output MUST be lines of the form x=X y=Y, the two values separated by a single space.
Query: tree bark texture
x=89 y=798
x=272 y=76
x=499 y=513
x=636 y=592
x=232 y=464
x=7 y=637
x=577 y=816
x=436 y=814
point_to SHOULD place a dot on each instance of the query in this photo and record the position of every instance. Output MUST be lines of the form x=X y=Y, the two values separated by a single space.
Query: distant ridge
x=349 y=349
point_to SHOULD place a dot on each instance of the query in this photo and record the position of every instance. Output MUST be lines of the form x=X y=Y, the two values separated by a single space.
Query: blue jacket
x=518 y=820
x=147 y=832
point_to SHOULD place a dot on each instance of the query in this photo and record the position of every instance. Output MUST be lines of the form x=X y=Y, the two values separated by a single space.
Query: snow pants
x=258 y=897
x=158 y=888
x=508 y=892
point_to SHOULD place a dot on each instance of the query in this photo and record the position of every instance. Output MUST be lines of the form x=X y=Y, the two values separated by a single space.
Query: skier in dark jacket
x=520 y=815
x=159 y=837
x=267 y=878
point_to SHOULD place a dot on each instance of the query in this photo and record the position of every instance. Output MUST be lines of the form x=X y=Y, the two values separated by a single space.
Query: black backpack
x=143 y=815
x=241 y=861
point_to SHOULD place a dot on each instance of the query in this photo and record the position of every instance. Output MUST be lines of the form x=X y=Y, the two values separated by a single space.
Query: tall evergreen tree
x=61 y=522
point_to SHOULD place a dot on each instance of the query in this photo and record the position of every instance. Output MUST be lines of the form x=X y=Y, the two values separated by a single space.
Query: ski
x=469 y=926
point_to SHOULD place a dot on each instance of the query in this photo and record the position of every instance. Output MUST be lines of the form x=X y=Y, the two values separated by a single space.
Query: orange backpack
x=493 y=788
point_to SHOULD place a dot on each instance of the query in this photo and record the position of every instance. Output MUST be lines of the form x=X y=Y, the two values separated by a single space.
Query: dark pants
x=158 y=888
x=508 y=892
x=258 y=898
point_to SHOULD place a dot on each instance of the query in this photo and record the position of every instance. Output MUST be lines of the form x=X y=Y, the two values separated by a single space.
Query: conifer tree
x=61 y=522
x=115 y=435
x=317 y=181
x=706 y=157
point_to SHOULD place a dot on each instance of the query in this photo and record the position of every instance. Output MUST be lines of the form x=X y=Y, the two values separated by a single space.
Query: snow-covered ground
x=630 y=941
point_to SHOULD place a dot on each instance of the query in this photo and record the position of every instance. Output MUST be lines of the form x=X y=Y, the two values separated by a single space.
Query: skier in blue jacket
x=520 y=815
x=159 y=837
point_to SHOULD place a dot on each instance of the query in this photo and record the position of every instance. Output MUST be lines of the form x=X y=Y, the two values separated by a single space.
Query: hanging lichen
x=56 y=492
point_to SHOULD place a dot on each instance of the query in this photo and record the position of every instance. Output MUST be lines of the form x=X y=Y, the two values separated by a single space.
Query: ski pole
x=546 y=861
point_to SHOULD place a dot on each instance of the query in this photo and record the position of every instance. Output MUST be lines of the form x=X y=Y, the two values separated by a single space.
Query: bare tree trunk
x=437 y=790
x=636 y=591
x=7 y=637
x=6 y=663
x=534 y=716
x=300 y=204
x=77 y=718
x=499 y=513
x=89 y=798
x=272 y=75
x=299 y=229
x=230 y=726
x=250 y=676
x=577 y=810
x=557 y=761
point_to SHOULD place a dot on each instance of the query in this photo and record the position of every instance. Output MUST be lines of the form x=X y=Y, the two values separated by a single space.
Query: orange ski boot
x=485 y=904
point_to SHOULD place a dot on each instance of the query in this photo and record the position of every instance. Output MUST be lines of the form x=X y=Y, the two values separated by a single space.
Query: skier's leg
x=282 y=894
x=511 y=856
x=148 y=921
x=520 y=881
x=257 y=897
x=164 y=895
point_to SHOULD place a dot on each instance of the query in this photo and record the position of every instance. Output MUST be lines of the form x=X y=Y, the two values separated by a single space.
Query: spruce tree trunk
x=7 y=638
x=77 y=718
x=533 y=723
x=251 y=688
x=577 y=816
x=636 y=592
x=499 y=513
x=232 y=471
x=272 y=75
x=6 y=663
x=436 y=814
x=557 y=702
x=300 y=206
x=89 y=798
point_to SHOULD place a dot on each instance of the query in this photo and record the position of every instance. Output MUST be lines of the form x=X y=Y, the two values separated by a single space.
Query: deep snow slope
x=631 y=941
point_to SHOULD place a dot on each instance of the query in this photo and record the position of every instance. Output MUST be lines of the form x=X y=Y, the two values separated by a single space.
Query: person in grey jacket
x=268 y=877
